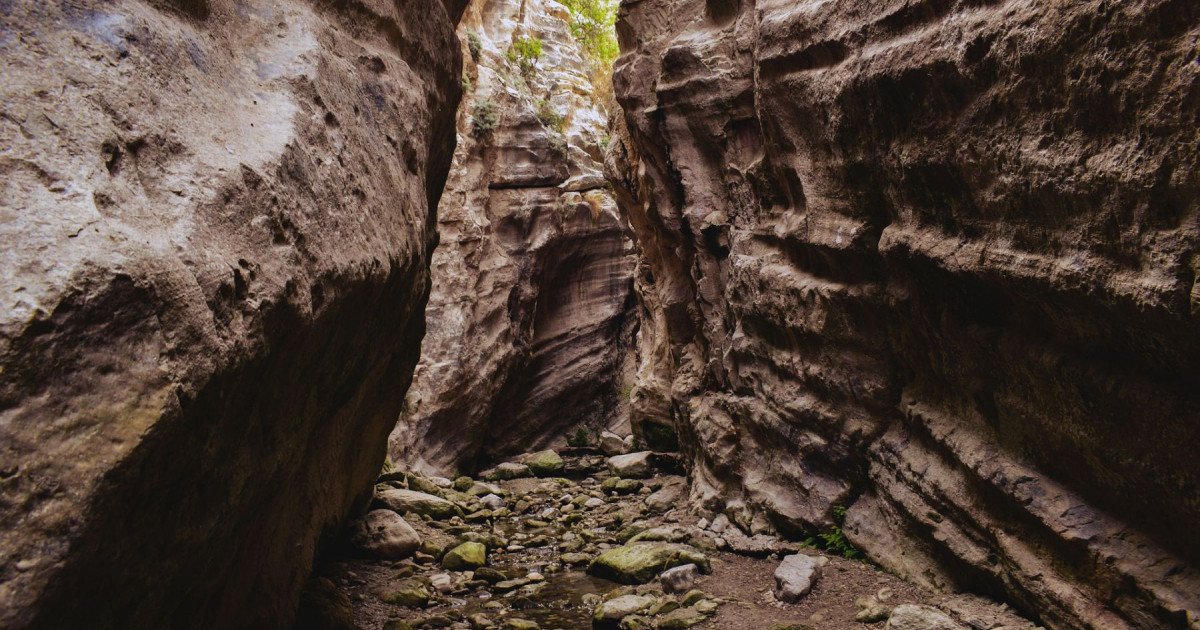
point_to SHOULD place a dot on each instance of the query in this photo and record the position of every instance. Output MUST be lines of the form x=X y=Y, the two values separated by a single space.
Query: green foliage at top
x=474 y=45
x=525 y=53
x=593 y=25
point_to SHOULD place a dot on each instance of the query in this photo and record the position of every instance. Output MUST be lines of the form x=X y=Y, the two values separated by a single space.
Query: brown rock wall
x=933 y=262
x=208 y=205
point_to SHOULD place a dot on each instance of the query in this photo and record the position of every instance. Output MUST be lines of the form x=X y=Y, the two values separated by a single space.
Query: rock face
x=530 y=320
x=207 y=206
x=935 y=262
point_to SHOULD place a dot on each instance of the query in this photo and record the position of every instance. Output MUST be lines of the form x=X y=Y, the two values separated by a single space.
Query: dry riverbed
x=581 y=547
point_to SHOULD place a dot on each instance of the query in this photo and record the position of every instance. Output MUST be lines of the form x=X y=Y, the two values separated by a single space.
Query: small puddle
x=559 y=602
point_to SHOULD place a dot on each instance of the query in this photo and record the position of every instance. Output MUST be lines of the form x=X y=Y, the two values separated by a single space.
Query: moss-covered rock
x=638 y=563
x=465 y=557
x=621 y=486
x=608 y=615
x=421 y=503
x=411 y=595
x=544 y=463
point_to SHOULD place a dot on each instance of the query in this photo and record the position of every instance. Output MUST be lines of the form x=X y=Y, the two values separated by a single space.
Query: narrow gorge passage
x=615 y=314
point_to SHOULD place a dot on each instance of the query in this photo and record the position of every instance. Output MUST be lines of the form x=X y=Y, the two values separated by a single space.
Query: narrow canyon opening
x=612 y=314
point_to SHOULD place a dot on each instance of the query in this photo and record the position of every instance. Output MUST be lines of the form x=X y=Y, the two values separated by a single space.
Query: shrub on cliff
x=549 y=116
x=474 y=46
x=524 y=53
x=484 y=117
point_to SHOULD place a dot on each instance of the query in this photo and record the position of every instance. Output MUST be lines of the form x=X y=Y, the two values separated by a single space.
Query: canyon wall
x=216 y=224
x=530 y=320
x=933 y=262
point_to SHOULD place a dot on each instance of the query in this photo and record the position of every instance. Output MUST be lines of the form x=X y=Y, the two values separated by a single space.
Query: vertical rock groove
x=531 y=317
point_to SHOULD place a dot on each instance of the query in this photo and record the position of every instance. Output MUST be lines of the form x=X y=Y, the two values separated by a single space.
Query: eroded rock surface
x=934 y=262
x=207 y=206
x=530 y=319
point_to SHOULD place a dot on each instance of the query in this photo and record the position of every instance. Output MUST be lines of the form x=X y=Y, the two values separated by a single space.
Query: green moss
x=469 y=555
x=638 y=563
x=660 y=437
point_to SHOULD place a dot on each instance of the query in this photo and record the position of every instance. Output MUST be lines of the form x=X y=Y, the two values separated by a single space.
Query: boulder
x=638 y=563
x=544 y=463
x=385 y=534
x=667 y=497
x=795 y=576
x=608 y=615
x=631 y=466
x=613 y=444
x=402 y=501
x=688 y=616
x=467 y=556
x=679 y=579
x=411 y=594
x=507 y=470
x=916 y=617
x=492 y=501
x=621 y=486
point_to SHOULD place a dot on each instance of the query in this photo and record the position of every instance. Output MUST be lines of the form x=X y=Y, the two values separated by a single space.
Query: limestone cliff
x=933 y=261
x=216 y=230
x=530 y=316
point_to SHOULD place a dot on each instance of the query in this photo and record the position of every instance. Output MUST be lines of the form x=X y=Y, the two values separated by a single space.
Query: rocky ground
x=583 y=541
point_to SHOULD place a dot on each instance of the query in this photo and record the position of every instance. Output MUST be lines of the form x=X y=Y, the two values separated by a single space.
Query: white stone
x=916 y=617
x=385 y=534
x=612 y=444
x=795 y=577
x=679 y=579
x=631 y=466
x=442 y=582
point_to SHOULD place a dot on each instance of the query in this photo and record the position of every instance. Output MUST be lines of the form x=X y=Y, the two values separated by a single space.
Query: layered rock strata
x=530 y=319
x=933 y=262
x=216 y=224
